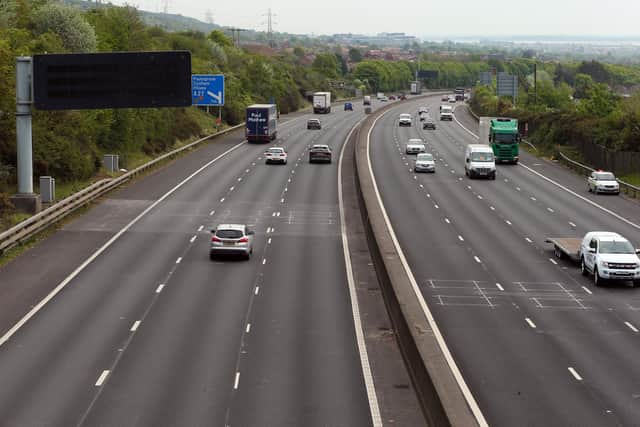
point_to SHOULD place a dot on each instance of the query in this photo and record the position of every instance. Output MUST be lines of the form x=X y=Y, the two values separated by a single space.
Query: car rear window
x=229 y=234
x=276 y=150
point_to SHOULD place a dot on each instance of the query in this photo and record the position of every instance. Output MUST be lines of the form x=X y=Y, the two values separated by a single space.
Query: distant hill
x=168 y=22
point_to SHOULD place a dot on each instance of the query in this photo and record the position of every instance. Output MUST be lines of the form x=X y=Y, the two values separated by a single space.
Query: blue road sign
x=207 y=89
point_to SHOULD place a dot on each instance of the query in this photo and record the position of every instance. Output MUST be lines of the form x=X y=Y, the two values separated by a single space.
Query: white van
x=479 y=161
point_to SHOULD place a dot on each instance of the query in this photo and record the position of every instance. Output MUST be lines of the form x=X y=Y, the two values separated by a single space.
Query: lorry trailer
x=322 y=102
x=261 y=123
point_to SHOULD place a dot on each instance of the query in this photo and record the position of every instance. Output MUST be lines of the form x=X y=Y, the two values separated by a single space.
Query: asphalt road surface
x=537 y=343
x=151 y=332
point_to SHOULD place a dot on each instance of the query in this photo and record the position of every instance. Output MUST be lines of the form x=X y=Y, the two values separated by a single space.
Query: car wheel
x=597 y=280
x=583 y=267
x=636 y=283
x=589 y=188
x=212 y=256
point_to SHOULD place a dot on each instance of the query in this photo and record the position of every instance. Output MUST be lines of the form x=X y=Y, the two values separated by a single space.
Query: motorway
x=537 y=343
x=151 y=332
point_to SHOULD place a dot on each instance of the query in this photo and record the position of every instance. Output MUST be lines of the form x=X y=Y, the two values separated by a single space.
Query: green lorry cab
x=504 y=139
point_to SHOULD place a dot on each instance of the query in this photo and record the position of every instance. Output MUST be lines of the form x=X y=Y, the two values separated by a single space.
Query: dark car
x=313 y=124
x=392 y=98
x=320 y=153
x=402 y=97
x=429 y=124
x=348 y=106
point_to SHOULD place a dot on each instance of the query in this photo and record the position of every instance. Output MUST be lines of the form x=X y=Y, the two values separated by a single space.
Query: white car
x=231 y=239
x=404 y=119
x=603 y=182
x=609 y=256
x=415 y=146
x=275 y=155
x=425 y=163
x=383 y=99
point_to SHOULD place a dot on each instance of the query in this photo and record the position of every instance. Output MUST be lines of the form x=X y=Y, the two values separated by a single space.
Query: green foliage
x=220 y=38
x=600 y=101
x=383 y=75
x=327 y=65
x=68 y=24
x=582 y=84
x=355 y=55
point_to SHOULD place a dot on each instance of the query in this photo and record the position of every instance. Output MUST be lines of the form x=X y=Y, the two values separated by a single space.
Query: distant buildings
x=382 y=39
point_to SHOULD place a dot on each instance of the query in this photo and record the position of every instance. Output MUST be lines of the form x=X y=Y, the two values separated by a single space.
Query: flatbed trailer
x=568 y=247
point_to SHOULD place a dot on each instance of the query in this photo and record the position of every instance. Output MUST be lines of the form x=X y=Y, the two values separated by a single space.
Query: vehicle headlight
x=605 y=264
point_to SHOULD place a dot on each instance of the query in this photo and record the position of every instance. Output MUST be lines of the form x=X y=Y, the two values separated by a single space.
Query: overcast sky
x=417 y=17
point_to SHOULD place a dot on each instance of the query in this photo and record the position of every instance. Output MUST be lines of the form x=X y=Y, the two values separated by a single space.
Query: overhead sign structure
x=486 y=78
x=507 y=85
x=112 y=80
x=207 y=89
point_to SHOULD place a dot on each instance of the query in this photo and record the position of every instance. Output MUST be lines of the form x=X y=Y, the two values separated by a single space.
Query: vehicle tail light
x=215 y=239
x=244 y=240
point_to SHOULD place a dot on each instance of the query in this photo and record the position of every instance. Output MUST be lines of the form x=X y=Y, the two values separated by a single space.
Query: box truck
x=261 y=123
x=322 y=102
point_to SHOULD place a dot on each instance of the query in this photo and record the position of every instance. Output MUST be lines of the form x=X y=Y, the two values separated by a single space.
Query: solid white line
x=236 y=383
x=201 y=228
x=630 y=326
x=355 y=309
x=102 y=378
x=473 y=405
x=477 y=259
x=530 y=322
x=159 y=289
x=193 y=239
x=104 y=247
x=574 y=373
x=499 y=286
x=587 y=290
x=179 y=260
x=135 y=326
x=553 y=261
x=248 y=328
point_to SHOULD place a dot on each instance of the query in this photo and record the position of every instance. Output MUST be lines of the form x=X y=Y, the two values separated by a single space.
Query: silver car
x=231 y=239
x=425 y=163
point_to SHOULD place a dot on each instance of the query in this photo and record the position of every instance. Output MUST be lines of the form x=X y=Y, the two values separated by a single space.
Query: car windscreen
x=482 y=157
x=616 y=247
x=275 y=150
x=229 y=234
x=320 y=148
x=605 y=176
x=424 y=157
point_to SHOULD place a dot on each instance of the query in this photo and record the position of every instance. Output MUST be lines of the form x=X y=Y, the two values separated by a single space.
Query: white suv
x=609 y=256
x=404 y=119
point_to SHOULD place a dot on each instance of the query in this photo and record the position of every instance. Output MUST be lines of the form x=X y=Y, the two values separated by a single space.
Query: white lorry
x=606 y=255
x=322 y=102
x=446 y=112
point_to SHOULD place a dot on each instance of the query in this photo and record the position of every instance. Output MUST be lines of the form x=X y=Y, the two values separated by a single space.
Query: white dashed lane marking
x=201 y=228
x=135 y=326
x=630 y=326
x=575 y=373
x=159 y=289
x=102 y=378
x=236 y=383
x=530 y=322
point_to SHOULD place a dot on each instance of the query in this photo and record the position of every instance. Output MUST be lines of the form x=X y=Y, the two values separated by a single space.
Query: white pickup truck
x=606 y=255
